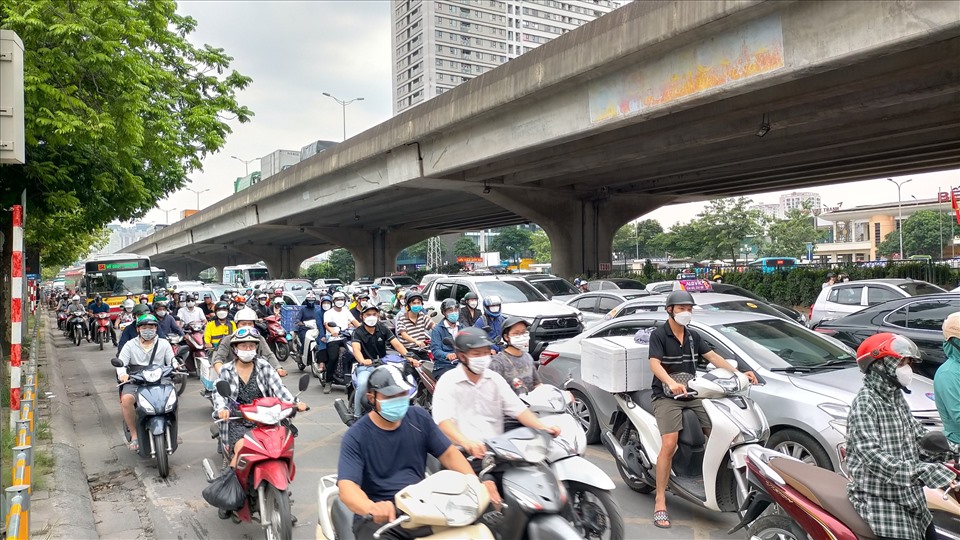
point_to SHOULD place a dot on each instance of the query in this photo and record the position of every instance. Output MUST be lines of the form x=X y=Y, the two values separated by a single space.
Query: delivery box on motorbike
x=615 y=364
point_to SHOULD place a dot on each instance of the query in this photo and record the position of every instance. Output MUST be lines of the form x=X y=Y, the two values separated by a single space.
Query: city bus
x=159 y=278
x=115 y=276
x=243 y=274
x=772 y=264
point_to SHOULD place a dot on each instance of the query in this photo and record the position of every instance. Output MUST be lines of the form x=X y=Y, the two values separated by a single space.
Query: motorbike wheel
x=283 y=351
x=100 y=340
x=77 y=337
x=279 y=515
x=424 y=398
x=180 y=383
x=625 y=434
x=596 y=513
x=775 y=527
x=160 y=446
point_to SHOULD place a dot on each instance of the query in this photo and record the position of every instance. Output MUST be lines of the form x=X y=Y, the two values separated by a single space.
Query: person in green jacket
x=946 y=383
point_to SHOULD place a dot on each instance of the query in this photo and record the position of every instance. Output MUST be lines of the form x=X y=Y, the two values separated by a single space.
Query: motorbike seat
x=342 y=519
x=644 y=398
x=824 y=488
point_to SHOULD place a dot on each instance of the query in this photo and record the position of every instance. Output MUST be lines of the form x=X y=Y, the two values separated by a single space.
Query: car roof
x=490 y=277
x=616 y=292
x=705 y=298
x=888 y=281
x=538 y=276
x=870 y=311
x=706 y=318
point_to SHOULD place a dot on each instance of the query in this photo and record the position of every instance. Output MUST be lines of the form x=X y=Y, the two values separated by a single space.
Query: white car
x=849 y=297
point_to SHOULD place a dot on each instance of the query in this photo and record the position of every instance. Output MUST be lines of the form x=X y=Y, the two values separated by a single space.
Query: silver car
x=708 y=301
x=596 y=306
x=808 y=380
x=849 y=297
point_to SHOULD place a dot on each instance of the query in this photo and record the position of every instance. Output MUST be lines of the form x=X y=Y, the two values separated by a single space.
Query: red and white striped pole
x=16 y=314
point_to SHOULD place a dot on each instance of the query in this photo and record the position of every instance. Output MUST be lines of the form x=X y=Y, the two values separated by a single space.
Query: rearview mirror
x=115 y=362
x=304 y=381
x=223 y=388
x=331 y=324
x=934 y=442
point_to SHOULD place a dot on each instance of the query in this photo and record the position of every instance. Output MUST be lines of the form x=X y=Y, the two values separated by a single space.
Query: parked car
x=396 y=281
x=291 y=285
x=553 y=287
x=549 y=321
x=705 y=301
x=326 y=283
x=218 y=289
x=808 y=379
x=295 y=297
x=918 y=318
x=849 y=297
x=614 y=283
x=595 y=306
x=664 y=287
x=428 y=278
x=357 y=284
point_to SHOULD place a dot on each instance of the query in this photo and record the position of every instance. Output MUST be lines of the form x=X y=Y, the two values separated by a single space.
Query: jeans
x=363 y=374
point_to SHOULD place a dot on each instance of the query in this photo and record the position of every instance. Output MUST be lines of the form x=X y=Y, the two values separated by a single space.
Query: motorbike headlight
x=835 y=410
x=151 y=375
x=461 y=510
x=171 y=402
x=533 y=450
x=145 y=405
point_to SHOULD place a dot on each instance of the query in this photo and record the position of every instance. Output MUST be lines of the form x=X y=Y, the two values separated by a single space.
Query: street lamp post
x=343 y=104
x=197 y=193
x=246 y=164
x=900 y=212
x=167 y=213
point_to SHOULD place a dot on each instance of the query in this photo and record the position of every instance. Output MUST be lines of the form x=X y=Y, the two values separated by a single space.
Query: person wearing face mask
x=219 y=327
x=136 y=354
x=335 y=321
x=470 y=311
x=250 y=377
x=491 y=321
x=165 y=321
x=308 y=312
x=95 y=307
x=414 y=326
x=514 y=362
x=674 y=349
x=262 y=308
x=470 y=403
x=386 y=451
x=326 y=304
x=444 y=357
x=887 y=470
x=245 y=318
x=369 y=346
x=208 y=307
x=191 y=312
x=361 y=298
x=130 y=332
x=946 y=382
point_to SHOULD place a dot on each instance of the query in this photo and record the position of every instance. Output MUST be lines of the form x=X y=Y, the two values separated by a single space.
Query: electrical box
x=11 y=99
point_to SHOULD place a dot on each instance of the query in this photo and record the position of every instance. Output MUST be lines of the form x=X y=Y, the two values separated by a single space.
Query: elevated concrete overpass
x=653 y=104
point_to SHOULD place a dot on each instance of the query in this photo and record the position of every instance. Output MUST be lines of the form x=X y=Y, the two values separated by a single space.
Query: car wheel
x=799 y=445
x=582 y=410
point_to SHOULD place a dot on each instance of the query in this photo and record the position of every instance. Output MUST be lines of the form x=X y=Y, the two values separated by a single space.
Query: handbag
x=225 y=491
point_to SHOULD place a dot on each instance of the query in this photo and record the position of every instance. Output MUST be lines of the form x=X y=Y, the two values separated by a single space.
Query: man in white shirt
x=335 y=321
x=473 y=399
x=191 y=312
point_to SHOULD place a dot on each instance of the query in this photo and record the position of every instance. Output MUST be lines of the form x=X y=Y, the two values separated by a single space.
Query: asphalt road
x=131 y=501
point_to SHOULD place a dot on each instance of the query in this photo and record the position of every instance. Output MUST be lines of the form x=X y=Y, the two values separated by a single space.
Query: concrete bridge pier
x=374 y=250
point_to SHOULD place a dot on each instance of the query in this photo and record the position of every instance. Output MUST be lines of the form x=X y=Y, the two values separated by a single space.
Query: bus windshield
x=118 y=282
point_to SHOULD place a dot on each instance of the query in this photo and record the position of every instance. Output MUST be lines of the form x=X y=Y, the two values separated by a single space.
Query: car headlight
x=145 y=405
x=835 y=410
x=171 y=402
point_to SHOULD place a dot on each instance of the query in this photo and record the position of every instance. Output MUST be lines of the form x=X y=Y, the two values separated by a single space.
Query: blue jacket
x=168 y=325
x=321 y=345
x=438 y=348
x=307 y=313
x=496 y=328
x=102 y=308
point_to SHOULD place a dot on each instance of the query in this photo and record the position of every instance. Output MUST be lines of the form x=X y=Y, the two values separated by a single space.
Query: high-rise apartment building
x=797 y=200
x=438 y=44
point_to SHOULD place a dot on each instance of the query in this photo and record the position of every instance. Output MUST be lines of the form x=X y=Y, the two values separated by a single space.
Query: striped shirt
x=415 y=329
x=674 y=357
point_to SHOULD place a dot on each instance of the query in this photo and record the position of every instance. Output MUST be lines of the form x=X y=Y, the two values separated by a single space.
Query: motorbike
x=308 y=351
x=423 y=374
x=77 y=327
x=156 y=407
x=448 y=501
x=811 y=502
x=710 y=473
x=266 y=467
x=124 y=319
x=193 y=354
x=61 y=320
x=180 y=374
x=344 y=406
x=276 y=337
x=104 y=329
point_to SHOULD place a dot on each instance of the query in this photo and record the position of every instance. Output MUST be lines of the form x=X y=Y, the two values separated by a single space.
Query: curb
x=69 y=507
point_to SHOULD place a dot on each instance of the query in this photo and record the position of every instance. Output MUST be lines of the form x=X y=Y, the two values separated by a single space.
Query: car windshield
x=781 y=344
x=218 y=290
x=510 y=291
x=628 y=283
x=744 y=305
x=920 y=288
x=555 y=287
x=299 y=295
x=404 y=281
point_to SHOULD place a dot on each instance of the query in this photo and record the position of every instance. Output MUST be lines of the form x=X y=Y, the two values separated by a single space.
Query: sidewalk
x=65 y=510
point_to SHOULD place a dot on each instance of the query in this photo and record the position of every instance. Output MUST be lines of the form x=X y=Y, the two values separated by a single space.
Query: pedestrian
x=946 y=382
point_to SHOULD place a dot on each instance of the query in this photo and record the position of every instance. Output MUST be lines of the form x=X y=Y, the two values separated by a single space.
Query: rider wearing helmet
x=361 y=298
x=190 y=312
x=887 y=470
x=514 y=362
x=946 y=382
x=96 y=307
x=219 y=327
x=126 y=314
x=308 y=312
x=165 y=321
x=130 y=332
x=445 y=358
x=336 y=320
x=674 y=350
x=245 y=318
x=140 y=352
x=369 y=345
x=470 y=311
x=414 y=326
x=492 y=320
x=262 y=307
x=208 y=306
x=250 y=377
x=277 y=306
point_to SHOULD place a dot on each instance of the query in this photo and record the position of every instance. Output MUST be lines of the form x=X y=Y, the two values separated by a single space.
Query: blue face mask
x=394 y=409
x=416 y=309
x=453 y=317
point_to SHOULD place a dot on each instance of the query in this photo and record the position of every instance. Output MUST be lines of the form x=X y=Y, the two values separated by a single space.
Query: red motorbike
x=271 y=329
x=191 y=351
x=104 y=329
x=265 y=468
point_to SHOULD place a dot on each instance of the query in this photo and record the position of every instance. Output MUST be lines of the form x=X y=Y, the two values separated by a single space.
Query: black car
x=920 y=318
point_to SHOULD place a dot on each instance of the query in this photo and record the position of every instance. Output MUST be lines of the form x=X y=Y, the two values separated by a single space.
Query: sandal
x=134 y=445
x=660 y=517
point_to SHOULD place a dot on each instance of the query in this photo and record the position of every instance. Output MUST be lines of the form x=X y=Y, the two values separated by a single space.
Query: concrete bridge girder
x=374 y=251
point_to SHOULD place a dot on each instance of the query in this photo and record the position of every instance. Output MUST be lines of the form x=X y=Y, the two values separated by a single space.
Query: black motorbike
x=156 y=406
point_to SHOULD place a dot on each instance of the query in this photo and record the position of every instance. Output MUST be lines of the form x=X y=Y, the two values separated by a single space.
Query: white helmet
x=128 y=304
x=76 y=298
x=245 y=314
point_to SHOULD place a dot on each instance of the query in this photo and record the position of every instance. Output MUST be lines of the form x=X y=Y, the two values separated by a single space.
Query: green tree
x=119 y=108
x=466 y=247
x=720 y=229
x=789 y=237
x=923 y=234
x=540 y=246
x=512 y=242
x=341 y=265
x=633 y=239
x=318 y=270
x=418 y=250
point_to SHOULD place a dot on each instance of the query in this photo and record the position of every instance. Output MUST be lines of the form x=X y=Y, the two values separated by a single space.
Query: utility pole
x=246 y=164
x=197 y=192
x=900 y=212
x=343 y=104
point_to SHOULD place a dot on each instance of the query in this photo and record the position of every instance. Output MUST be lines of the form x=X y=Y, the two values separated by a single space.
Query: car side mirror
x=115 y=362
x=733 y=363
x=223 y=388
x=304 y=382
x=934 y=442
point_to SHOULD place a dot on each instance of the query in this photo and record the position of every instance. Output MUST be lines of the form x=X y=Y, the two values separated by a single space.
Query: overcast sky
x=295 y=51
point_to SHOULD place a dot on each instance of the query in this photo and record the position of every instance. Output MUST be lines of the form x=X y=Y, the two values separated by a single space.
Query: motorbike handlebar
x=401 y=519
x=689 y=394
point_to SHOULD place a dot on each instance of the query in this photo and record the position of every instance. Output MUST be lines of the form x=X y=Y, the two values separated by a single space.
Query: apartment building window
x=439 y=76
x=439 y=62
x=876 y=234
x=439 y=34
x=439 y=90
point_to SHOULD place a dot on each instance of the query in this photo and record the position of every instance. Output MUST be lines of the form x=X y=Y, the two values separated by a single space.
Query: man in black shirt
x=674 y=348
x=369 y=343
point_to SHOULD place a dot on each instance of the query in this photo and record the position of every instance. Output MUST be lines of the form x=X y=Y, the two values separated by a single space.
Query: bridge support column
x=581 y=230
x=374 y=251
x=283 y=262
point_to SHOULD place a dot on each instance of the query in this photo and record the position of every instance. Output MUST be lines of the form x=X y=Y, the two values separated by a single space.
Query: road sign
x=604 y=267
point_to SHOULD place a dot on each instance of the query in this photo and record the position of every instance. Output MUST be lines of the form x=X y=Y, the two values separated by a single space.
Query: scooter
x=266 y=467
x=424 y=376
x=276 y=337
x=193 y=353
x=344 y=406
x=180 y=374
x=710 y=473
x=448 y=501
x=77 y=326
x=104 y=329
x=61 y=320
x=308 y=351
x=156 y=413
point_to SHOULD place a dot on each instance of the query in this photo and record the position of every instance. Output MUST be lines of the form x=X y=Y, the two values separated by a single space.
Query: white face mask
x=520 y=342
x=472 y=304
x=683 y=318
x=246 y=356
x=325 y=306
x=905 y=375
x=191 y=304
x=371 y=320
x=339 y=303
x=479 y=363
x=161 y=313
x=221 y=314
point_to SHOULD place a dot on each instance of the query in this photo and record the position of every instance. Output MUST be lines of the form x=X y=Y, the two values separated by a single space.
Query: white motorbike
x=448 y=501
x=710 y=472
x=307 y=352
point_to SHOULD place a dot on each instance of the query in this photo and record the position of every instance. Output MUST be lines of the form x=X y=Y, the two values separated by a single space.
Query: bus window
x=772 y=264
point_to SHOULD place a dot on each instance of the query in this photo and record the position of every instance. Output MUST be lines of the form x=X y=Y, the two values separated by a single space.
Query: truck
x=276 y=161
x=315 y=148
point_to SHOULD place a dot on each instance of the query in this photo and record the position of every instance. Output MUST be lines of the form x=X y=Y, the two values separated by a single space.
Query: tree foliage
x=718 y=232
x=418 y=250
x=540 y=246
x=923 y=234
x=512 y=242
x=342 y=265
x=633 y=239
x=466 y=247
x=119 y=108
x=789 y=237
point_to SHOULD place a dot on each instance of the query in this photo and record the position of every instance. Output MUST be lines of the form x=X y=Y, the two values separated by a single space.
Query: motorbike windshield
x=780 y=344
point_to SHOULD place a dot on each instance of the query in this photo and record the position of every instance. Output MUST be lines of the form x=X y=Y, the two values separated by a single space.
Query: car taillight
x=548 y=356
x=826 y=331
x=810 y=314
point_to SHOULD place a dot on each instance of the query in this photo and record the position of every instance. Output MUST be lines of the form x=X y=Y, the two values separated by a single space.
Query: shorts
x=669 y=414
x=128 y=389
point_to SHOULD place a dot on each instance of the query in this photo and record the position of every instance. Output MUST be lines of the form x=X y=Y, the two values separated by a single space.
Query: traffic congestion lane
x=174 y=508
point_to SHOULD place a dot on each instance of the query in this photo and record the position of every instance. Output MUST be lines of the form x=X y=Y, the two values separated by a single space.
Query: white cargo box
x=615 y=364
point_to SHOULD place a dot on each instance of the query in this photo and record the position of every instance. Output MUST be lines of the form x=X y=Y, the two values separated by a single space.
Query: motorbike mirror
x=331 y=324
x=223 y=388
x=448 y=342
x=304 y=382
x=934 y=442
x=115 y=362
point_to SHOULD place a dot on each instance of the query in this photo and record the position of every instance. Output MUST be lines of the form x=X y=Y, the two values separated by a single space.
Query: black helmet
x=471 y=338
x=367 y=306
x=413 y=295
x=470 y=296
x=448 y=305
x=388 y=380
x=680 y=297
x=830 y=275
x=221 y=305
x=511 y=322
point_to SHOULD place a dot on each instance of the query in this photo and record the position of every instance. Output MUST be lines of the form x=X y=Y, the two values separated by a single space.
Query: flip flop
x=661 y=516
x=134 y=445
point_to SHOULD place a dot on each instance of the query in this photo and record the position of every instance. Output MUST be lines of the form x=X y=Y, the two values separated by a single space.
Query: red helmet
x=278 y=292
x=886 y=345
